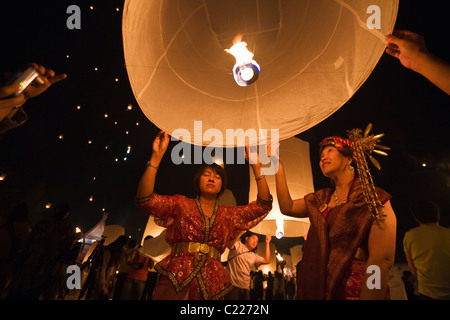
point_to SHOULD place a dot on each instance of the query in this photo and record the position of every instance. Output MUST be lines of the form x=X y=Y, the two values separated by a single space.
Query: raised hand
x=252 y=156
x=273 y=150
x=160 y=144
x=49 y=77
x=406 y=46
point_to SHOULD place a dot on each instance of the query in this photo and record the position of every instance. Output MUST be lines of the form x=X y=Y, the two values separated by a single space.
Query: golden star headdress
x=362 y=145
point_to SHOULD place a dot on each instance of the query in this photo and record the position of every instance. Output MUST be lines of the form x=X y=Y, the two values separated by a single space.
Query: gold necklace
x=336 y=200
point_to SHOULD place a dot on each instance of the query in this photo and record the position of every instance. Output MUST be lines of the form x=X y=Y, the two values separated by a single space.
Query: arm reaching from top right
x=410 y=49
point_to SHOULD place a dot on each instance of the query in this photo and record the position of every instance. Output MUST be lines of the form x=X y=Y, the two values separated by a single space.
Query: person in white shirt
x=240 y=261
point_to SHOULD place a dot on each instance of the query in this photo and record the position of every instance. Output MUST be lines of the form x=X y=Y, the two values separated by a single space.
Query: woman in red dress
x=197 y=229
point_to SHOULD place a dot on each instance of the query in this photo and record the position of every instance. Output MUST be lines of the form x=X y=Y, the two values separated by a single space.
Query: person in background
x=105 y=269
x=241 y=259
x=134 y=284
x=124 y=267
x=14 y=231
x=427 y=251
x=279 y=286
x=270 y=286
x=199 y=229
x=152 y=277
x=47 y=246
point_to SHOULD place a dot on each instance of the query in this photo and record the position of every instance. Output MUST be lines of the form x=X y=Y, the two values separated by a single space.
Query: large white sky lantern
x=313 y=56
x=297 y=166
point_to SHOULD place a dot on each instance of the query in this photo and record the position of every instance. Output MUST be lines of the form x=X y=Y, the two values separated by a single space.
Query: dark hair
x=216 y=169
x=346 y=151
x=425 y=211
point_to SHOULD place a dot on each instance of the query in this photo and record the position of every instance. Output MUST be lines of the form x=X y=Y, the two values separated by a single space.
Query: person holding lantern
x=198 y=229
x=350 y=245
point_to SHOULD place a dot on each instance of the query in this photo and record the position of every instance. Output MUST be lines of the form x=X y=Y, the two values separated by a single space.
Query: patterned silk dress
x=185 y=222
x=336 y=250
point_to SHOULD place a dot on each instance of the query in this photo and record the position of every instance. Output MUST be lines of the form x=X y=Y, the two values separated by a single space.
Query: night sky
x=74 y=145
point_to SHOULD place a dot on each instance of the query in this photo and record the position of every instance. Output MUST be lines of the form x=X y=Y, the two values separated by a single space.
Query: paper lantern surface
x=313 y=55
x=297 y=167
x=112 y=232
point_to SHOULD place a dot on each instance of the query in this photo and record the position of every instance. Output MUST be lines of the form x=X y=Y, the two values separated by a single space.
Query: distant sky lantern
x=313 y=56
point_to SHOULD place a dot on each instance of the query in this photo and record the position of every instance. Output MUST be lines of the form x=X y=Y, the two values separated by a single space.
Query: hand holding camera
x=24 y=78
x=26 y=83
x=47 y=76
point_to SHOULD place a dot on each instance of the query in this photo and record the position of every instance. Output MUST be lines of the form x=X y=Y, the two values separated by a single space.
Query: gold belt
x=196 y=247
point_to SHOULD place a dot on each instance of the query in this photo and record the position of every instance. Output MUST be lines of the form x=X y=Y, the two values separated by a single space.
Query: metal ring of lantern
x=239 y=73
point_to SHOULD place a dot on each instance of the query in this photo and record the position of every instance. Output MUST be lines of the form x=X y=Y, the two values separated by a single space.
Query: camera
x=25 y=77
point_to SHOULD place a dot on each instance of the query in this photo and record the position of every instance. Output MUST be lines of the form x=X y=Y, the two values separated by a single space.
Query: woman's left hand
x=252 y=156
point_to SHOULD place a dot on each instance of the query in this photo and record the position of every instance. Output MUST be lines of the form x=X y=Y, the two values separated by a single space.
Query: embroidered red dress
x=186 y=222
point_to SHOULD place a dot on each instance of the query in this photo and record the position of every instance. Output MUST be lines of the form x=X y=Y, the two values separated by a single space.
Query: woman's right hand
x=160 y=145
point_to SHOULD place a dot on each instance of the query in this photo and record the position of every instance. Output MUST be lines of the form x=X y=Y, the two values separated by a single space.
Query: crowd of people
x=276 y=286
x=353 y=225
x=38 y=257
x=35 y=259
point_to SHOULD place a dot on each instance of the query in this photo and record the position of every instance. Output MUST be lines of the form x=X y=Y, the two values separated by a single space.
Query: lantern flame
x=279 y=257
x=240 y=52
x=246 y=70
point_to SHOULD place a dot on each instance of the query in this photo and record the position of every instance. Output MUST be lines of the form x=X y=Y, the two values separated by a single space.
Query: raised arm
x=410 y=49
x=293 y=208
x=232 y=242
x=147 y=182
x=261 y=183
x=9 y=104
x=267 y=254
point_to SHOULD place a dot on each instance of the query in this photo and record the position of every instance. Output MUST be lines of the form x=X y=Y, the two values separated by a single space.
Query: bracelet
x=265 y=202
x=152 y=165
x=260 y=177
